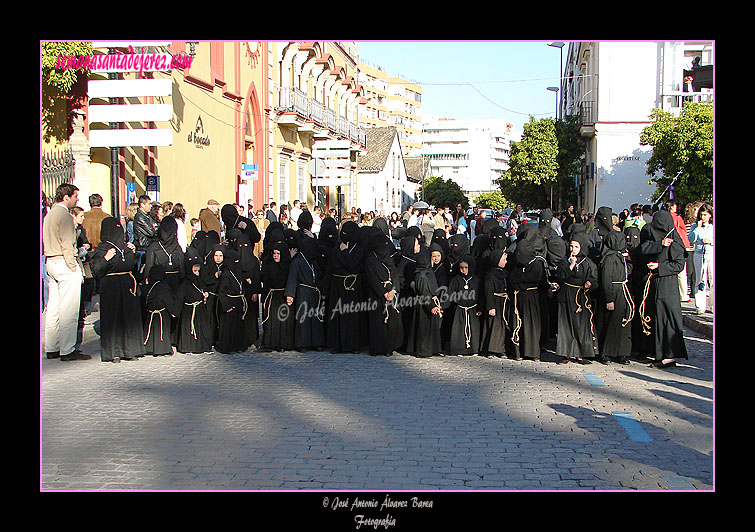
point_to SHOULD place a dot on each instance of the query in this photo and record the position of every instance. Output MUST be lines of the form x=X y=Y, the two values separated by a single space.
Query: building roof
x=379 y=142
x=414 y=168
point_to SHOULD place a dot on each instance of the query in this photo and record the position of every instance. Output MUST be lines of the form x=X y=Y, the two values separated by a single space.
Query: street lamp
x=560 y=45
x=555 y=90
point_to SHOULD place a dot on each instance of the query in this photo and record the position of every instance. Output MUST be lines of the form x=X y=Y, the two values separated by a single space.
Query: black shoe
x=53 y=354
x=75 y=355
x=622 y=361
x=564 y=360
x=663 y=365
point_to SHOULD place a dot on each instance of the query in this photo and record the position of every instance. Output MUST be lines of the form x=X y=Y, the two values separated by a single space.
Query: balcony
x=674 y=101
x=309 y=115
x=587 y=119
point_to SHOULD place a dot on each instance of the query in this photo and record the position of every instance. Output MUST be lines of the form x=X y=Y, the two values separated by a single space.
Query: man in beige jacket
x=64 y=275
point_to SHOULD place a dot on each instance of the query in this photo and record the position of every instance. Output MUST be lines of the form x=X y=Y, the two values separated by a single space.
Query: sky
x=475 y=79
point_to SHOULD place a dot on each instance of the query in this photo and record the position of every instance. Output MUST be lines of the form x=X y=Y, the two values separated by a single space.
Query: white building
x=613 y=87
x=473 y=153
x=382 y=180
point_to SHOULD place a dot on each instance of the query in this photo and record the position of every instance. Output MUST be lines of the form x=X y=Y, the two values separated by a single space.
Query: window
x=301 y=183
x=282 y=181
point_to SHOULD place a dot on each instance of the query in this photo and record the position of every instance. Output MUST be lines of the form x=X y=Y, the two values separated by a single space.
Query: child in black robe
x=663 y=249
x=113 y=261
x=343 y=282
x=231 y=306
x=464 y=295
x=250 y=272
x=616 y=306
x=210 y=275
x=577 y=277
x=277 y=321
x=382 y=283
x=638 y=276
x=409 y=248
x=526 y=275
x=190 y=308
x=496 y=332
x=423 y=338
x=304 y=296
x=159 y=302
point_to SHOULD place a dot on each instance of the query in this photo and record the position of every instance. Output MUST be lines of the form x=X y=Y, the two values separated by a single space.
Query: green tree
x=682 y=145
x=492 y=200
x=533 y=164
x=443 y=193
x=571 y=146
x=61 y=86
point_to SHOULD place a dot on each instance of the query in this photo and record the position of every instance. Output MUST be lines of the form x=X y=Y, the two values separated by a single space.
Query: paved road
x=321 y=421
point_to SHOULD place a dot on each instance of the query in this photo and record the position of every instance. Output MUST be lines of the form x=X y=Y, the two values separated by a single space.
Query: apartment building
x=473 y=153
x=613 y=87
x=392 y=101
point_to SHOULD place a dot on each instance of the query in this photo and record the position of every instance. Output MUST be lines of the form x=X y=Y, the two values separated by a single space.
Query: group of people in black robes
x=603 y=295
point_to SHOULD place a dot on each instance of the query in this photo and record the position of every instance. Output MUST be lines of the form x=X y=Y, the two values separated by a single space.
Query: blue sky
x=508 y=80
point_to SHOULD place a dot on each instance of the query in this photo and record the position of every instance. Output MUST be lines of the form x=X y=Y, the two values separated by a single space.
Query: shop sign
x=198 y=136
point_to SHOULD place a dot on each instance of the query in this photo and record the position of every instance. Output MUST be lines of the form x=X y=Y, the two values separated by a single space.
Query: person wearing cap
x=208 y=217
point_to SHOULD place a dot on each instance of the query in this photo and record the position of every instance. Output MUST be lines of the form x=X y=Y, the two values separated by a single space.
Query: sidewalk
x=702 y=324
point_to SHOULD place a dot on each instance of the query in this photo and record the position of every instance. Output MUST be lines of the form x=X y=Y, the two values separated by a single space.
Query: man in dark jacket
x=144 y=228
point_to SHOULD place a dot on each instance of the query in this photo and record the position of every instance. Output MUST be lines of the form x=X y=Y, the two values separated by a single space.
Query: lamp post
x=560 y=46
x=554 y=89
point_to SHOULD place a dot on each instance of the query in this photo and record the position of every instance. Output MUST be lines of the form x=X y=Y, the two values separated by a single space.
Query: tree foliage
x=492 y=200
x=57 y=85
x=533 y=164
x=682 y=145
x=443 y=193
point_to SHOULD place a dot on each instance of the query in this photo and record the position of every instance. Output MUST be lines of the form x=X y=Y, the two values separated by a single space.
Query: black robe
x=121 y=332
x=464 y=295
x=381 y=276
x=250 y=272
x=344 y=293
x=277 y=321
x=304 y=285
x=496 y=330
x=423 y=337
x=231 y=306
x=576 y=311
x=527 y=273
x=614 y=326
x=405 y=268
x=193 y=333
x=233 y=220
x=210 y=278
x=166 y=252
x=638 y=275
x=663 y=295
x=159 y=304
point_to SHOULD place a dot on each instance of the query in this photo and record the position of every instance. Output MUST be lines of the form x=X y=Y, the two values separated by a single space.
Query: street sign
x=126 y=88
x=115 y=138
x=250 y=172
x=316 y=167
x=331 y=145
x=160 y=112
x=331 y=182
x=330 y=154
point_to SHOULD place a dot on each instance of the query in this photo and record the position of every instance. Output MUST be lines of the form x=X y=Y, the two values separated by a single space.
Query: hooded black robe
x=233 y=220
x=406 y=267
x=277 y=322
x=641 y=342
x=496 y=331
x=343 y=280
x=576 y=311
x=159 y=304
x=663 y=295
x=527 y=273
x=305 y=286
x=423 y=337
x=194 y=332
x=210 y=278
x=386 y=330
x=464 y=294
x=166 y=252
x=231 y=307
x=614 y=326
x=121 y=332
x=250 y=272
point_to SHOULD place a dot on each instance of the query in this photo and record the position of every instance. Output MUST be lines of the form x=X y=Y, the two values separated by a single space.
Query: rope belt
x=645 y=320
x=392 y=303
x=345 y=278
x=505 y=297
x=267 y=298
x=193 y=312
x=587 y=305
x=630 y=302
x=438 y=306
x=149 y=327
x=133 y=292
x=243 y=300
x=467 y=325
x=319 y=300
x=515 y=336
